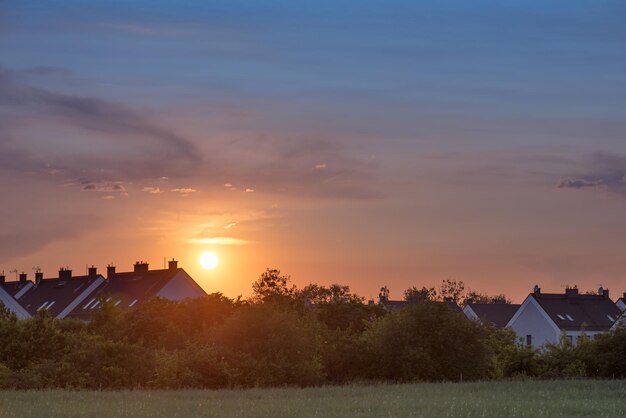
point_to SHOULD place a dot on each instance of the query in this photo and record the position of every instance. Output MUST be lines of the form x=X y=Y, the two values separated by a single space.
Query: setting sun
x=208 y=261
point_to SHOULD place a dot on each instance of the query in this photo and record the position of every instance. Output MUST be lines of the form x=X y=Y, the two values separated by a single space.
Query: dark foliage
x=283 y=336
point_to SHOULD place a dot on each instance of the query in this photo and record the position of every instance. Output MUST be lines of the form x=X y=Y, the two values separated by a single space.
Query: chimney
x=93 y=271
x=536 y=290
x=606 y=293
x=3 y=278
x=110 y=271
x=141 y=267
x=38 y=277
x=65 y=273
x=23 y=277
x=173 y=264
x=623 y=296
x=571 y=291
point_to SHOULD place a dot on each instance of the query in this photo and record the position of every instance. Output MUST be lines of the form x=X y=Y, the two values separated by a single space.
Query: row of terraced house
x=544 y=317
x=70 y=296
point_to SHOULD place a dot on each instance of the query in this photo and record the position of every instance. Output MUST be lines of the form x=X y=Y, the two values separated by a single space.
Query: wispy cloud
x=184 y=191
x=579 y=183
x=152 y=190
x=220 y=241
x=102 y=187
x=599 y=171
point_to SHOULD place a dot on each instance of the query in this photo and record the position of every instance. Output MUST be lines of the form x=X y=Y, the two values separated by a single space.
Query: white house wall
x=530 y=319
x=182 y=286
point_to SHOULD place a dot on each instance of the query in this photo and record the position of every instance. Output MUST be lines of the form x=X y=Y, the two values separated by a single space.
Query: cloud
x=320 y=166
x=603 y=171
x=102 y=187
x=137 y=146
x=152 y=190
x=249 y=190
x=220 y=241
x=230 y=225
x=579 y=183
x=184 y=192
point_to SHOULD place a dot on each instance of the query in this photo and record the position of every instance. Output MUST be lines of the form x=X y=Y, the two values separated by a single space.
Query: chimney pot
x=571 y=291
x=173 y=264
x=23 y=277
x=110 y=271
x=536 y=289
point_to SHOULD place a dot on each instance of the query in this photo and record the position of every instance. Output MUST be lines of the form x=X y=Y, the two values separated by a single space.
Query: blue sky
x=432 y=137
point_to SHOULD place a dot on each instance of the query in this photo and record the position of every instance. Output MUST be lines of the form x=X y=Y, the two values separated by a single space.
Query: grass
x=483 y=399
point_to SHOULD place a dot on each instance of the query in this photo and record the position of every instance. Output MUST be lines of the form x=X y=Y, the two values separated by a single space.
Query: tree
x=416 y=295
x=452 y=290
x=426 y=342
x=273 y=286
x=477 y=297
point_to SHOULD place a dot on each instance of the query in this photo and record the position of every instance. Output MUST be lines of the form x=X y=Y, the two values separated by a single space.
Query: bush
x=427 y=342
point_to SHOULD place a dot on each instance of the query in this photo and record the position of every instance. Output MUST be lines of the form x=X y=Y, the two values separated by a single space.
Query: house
x=69 y=296
x=130 y=289
x=383 y=299
x=621 y=303
x=11 y=292
x=59 y=295
x=496 y=314
x=544 y=317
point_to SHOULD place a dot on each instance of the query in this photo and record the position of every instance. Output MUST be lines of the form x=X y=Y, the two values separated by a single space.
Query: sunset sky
x=368 y=143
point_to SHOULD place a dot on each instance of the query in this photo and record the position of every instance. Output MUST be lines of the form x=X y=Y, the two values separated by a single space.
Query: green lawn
x=486 y=399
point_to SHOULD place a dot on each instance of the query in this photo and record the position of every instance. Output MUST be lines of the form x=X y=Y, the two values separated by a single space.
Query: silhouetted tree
x=477 y=297
x=416 y=295
x=273 y=286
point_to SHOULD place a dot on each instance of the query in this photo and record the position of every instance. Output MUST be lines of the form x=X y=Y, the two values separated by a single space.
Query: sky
x=366 y=143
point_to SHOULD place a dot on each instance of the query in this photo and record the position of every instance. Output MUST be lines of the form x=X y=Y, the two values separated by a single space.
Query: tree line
x=283 y=336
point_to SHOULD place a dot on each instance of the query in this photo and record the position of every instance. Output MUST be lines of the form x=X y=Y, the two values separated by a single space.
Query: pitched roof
x=497 y=314
x=16 y=286
x=126 y=290
x=57 y=294
x=573 y=311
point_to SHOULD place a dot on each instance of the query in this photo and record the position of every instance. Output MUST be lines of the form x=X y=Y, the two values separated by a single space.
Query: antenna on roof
x=164 y=263
x=37 y=269
x=14 y=271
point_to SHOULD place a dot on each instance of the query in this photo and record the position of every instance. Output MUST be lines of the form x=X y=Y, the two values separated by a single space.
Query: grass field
x=486 y=399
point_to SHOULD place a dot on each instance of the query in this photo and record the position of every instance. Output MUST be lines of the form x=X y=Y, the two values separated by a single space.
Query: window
x=50 y=305
x=118 y=302
x=529 y=340
x=569 y=317
x=89 y=303
x=610 y=318
x=561 y=317
x=132 y=303
x=95 y=305
x=43 y=306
